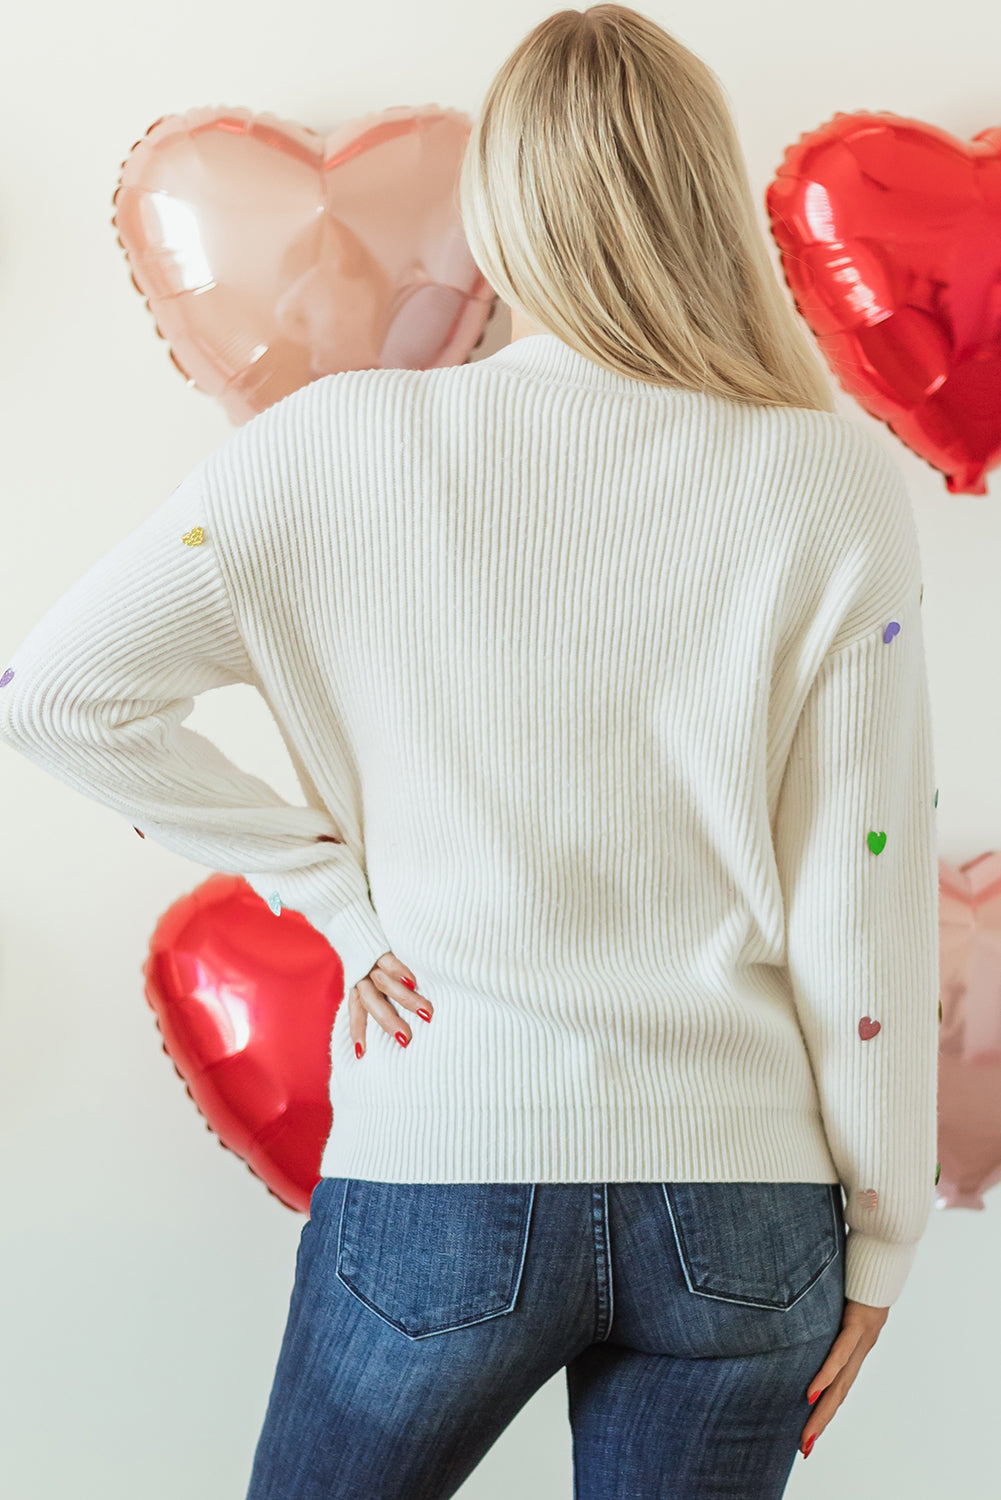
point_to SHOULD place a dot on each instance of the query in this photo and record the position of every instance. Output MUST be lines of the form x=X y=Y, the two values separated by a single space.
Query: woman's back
x=591 y=678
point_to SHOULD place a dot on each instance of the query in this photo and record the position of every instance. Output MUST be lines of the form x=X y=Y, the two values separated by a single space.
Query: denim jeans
x=690 y=1318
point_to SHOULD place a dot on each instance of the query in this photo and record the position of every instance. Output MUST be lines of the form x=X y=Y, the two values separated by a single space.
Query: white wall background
x=145 y=1272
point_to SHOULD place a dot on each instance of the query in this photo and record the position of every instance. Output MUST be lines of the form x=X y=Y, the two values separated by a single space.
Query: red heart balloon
x=889 y=231
x=245 y=1002
x=270 y=255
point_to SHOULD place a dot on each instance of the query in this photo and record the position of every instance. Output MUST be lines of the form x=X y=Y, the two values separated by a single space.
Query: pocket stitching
x=355 y=1291
x=740 y=1300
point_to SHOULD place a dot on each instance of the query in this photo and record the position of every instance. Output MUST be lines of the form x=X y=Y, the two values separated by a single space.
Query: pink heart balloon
x=270 y=255
x=969 y=1060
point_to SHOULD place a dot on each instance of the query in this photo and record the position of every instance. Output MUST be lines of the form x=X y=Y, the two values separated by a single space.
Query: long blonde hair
x=604 y=193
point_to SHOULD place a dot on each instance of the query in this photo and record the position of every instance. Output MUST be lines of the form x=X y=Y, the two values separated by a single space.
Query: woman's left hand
x=860 y=1327
x=387 y=980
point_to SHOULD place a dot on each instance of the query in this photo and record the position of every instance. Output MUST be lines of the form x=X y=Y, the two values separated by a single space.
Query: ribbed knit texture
x=590 y=678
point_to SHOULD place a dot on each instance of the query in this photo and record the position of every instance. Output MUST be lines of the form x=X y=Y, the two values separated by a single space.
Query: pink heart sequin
x=867 y=1028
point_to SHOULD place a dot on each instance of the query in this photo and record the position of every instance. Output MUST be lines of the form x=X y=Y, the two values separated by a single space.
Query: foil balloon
x=245 y=1004
x=270 y=255
x=969 y=1079
x=889 y=232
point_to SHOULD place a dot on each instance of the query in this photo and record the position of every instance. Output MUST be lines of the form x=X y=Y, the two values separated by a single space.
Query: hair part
x=604 y=193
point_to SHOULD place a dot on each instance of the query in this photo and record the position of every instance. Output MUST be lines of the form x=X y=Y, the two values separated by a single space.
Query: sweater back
x=609 y=692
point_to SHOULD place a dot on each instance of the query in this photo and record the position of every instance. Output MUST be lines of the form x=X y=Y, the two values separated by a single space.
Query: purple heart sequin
x=8 y=674
x=891 y=630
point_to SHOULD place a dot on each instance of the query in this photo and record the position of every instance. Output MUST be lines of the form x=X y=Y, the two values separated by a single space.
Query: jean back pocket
x=431 y=1257
x=764 y=1244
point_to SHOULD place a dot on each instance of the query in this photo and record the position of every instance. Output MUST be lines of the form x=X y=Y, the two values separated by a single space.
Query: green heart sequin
x=876 y=841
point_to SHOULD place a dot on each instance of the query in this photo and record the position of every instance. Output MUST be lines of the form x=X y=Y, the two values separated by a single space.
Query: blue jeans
x=690 y=1318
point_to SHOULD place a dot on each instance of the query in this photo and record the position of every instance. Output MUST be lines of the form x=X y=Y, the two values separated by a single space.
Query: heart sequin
x=194 y=537
x=867 y=1028
x=876 y=841
x=869 y=1197
x=891 y=630
x=8 y=674
x=275 y=903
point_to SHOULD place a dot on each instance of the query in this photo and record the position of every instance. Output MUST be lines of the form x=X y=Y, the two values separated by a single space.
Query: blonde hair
x=604 y=193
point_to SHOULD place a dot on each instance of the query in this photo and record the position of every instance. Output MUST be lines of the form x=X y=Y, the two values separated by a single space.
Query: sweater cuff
x=875 y=1270
x=356 y=936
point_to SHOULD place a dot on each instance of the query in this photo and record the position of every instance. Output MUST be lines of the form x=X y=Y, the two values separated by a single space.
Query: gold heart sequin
x=194 y=537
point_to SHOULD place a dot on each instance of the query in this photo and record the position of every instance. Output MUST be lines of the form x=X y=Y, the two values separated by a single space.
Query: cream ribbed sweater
x=605 y=686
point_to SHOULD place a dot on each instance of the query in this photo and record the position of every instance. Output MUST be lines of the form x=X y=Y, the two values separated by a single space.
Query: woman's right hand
x=388 y=980
x=860 y=1328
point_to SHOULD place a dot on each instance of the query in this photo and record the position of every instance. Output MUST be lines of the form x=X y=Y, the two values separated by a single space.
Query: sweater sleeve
x=856 y=850
x=97 y=695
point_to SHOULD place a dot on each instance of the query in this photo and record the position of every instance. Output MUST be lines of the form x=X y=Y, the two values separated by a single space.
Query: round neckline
x=545 y=354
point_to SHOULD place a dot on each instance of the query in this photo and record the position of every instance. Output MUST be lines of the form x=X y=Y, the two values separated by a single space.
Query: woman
x=601 y=663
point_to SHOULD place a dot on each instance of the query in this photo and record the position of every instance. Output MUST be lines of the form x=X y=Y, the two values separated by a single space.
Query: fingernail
x=813 y=1398
x=402 y=1039
x=359 y=1049
x=411 y=984
x=809 y=1444
x=423 y=1014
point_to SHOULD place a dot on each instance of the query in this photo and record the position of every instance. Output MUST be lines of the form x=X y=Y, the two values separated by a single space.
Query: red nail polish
x=359 y=1049
x=814 y=1397
x=423 y=1013
x=809 y=1445
x=402 y=1039
x=410 y=983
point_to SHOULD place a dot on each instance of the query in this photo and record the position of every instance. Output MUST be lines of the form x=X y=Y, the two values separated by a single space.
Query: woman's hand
x=388 y=978
x=860 y=1326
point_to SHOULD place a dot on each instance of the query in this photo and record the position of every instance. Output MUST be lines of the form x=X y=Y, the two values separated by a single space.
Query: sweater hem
x=552 y=1143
